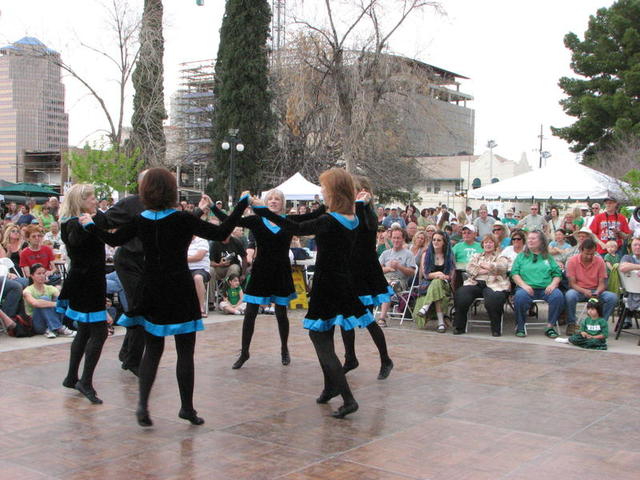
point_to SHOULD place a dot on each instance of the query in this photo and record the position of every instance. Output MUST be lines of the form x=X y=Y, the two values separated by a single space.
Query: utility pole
x=540 y=150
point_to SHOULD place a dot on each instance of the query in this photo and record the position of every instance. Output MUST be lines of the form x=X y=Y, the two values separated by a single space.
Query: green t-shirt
x=536 y=271
x=50 y=293
x=233 y=294
x=463 y=251
x=579 y=222
x=46 y=220
x=509 y=221
x=595 y=326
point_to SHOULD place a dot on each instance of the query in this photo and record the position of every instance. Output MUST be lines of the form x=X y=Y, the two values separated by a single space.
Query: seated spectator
x=487 y=278
x=587 y=275
x=443 y=220
x=392 y=218
x=533 y=221
x=418 y=246
x=559 y=244
x=631 y=263
x=456 y=233
x=464 y=250
x=26 y=218
x=484 y=223
x=429 y=230
x=537 y=277
x=54 y=206
x=634 y=226
x=40 y=305
x=7 y=322
x=399 y=267
x=380 y=214
x=238 y=233
x=12 y=243
x=578 y=219
x=569 y=227
x=610 y=225
x=611 y=258
x=13 y=213
x=45 y=218
x=53 y=235
x=227 y=257
x=36 y=253
x=437 y=272
x=382 y=240
x=517 y=246
x=232 y=297
x=594 y=329
x=199 y=265
x=424 y=218
x=411 y=230
x=114 y=285
x=501 y=232
x=410 y=214
x=554 y=221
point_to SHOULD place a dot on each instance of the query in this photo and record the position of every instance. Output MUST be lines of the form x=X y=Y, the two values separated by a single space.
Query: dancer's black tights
x=88 y=342
x=334 y=378
x=154 y=346
x=349 y=340
x=249 y=323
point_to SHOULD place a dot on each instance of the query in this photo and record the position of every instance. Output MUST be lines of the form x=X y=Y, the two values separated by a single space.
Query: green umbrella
x=28 y=189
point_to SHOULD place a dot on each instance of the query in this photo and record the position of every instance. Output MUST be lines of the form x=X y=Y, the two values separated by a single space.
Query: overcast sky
x=511 y=50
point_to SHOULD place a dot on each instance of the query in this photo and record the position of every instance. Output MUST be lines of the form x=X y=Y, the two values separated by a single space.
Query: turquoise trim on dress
x=379 y=299
x=157 y=215
x=274 y=228
x=269 y=300
x=350 y=224
x=348 y=323
x=246 y=195
x=62 y=306
x=161 y=330
x=255 y=207
x=87 y=224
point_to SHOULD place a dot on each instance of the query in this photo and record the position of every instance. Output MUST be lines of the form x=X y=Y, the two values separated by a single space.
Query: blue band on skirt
x=269 y=300
x=62 y=306
x=347 y=323
x=377 y=299
x=160 y=330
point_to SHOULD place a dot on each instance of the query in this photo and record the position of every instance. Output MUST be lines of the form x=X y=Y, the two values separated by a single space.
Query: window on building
x=477 y=183
x=494 y=180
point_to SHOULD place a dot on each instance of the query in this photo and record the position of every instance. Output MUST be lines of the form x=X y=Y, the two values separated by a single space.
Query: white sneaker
x=49 y=334
x=66 y=332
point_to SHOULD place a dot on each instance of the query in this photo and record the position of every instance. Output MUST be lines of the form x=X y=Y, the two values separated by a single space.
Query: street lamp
x=491 y=144
x=232 y=143
x=544 y=155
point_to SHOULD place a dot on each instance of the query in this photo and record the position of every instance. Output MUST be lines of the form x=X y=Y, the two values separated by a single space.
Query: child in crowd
x=611 y=258
x=594 y=329
x=40 y=302
x=232 y=297
x=111 y=314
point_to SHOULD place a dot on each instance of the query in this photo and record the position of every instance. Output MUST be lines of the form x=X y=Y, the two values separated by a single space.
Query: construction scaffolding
x=190 y=136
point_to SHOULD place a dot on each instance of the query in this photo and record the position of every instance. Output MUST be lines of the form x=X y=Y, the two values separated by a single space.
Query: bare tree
x=621 y=160
x=124 y=23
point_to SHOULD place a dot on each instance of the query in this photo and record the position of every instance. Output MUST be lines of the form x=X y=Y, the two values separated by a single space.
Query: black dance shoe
x=345 y=410
x=241 y=359
x=191 y=415
x=88 y=392
x=326 y=396
x=385 y=370
x=286 y=358
x=143 y=418
x=70 y=382
x=350 y=364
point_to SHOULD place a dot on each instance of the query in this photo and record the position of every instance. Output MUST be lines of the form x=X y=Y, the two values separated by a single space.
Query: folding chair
x=538 y=323
x=475 y=321
x=405 y=296
x=4 y=271
x=630 y=284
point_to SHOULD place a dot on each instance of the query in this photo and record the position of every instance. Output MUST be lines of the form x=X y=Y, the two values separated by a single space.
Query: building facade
x=34 y=128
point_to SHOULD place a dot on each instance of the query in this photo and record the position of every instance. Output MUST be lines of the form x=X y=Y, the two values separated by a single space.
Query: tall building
x=34 y=128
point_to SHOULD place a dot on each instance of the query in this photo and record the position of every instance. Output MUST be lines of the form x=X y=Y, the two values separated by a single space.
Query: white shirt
x=199 y=244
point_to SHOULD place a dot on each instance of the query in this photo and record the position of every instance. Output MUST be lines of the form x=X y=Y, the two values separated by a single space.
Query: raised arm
x=308 y=227
x=220 y=232
x=307 y=216
x=117 y=238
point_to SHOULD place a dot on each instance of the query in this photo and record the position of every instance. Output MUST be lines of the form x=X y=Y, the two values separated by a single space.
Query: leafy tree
x=108 y=169
x=606 y=100
x=148 y=102
x=242 y=94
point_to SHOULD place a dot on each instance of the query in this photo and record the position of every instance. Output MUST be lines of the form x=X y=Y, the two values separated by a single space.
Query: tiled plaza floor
x=453 y=408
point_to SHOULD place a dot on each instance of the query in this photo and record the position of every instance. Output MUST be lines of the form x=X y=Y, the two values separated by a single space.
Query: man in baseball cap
x=610 y=225
x=463 y=250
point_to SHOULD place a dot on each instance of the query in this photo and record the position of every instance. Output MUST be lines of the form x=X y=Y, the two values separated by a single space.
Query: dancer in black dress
x=333 y=297
x=270 y=280
x=369 y=281
x=169 y=304
x=82 y=297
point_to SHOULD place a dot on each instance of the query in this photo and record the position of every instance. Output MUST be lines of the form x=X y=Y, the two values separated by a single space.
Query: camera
x=228 y=258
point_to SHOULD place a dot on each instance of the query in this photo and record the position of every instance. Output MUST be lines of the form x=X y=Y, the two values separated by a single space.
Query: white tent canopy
x=560 y=181
x=298 y=188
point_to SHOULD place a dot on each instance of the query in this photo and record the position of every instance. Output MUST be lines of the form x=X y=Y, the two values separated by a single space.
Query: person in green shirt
x=45 y=218
x=508 y=219
x=232 y=297
x=463 y=251
x=537 y=276
x=594 y=329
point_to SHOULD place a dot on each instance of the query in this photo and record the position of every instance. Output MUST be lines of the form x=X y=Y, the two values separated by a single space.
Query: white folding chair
x=4 y=271
x=478 y=322
x=630 y=284
x=406 y=296
x=537 y=323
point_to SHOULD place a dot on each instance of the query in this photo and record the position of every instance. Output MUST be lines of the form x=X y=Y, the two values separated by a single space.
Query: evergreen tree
x=242 y=95
x=148 y=102
x=606 y=101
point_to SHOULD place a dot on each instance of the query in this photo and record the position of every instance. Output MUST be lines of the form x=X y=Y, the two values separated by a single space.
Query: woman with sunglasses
x=501 y=232
x=517 y=245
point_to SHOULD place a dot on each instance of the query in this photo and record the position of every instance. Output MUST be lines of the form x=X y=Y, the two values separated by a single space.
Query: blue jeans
x=12 y=295
x=114 y=286
x=572 y=297
x=522 y=302
x=45 y=319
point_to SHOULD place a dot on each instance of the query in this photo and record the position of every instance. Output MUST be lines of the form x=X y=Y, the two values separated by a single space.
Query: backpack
x=24 y=328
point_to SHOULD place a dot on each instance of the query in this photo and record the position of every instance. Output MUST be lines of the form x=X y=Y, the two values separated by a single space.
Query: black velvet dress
x=168 y=300
x=270 y=280
x=83 y=293
x=369 y=281
x=333 y=297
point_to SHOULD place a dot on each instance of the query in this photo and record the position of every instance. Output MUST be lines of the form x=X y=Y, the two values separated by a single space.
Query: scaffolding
x=192 y=124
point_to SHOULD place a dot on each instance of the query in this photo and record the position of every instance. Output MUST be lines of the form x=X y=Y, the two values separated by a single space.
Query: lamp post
x=544 y=155
x=232 y=143
x=491 y=144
